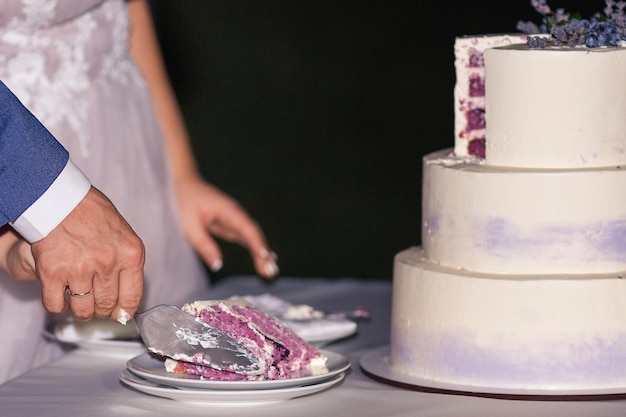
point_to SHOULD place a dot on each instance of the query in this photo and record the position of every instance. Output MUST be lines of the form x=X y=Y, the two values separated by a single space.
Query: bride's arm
x=205 y=210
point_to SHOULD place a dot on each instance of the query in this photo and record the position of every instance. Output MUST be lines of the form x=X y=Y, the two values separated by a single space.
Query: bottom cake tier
x=519 y=332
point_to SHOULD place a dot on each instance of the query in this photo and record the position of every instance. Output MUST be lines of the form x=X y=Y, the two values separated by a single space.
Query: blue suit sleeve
x=30 y=157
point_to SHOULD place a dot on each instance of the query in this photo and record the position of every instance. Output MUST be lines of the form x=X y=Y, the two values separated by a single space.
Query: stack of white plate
x=146 y=374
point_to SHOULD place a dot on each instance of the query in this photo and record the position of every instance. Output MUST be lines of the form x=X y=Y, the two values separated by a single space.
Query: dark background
x=315 y=115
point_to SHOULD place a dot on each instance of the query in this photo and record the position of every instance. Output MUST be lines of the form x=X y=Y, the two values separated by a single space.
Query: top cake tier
x=555 y=108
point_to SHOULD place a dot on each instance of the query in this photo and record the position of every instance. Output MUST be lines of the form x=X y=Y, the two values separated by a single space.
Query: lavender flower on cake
x=606 y=29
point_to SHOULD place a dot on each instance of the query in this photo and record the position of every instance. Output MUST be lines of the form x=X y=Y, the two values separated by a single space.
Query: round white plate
x=333 y=330
x=115 y=347
x=151 y=368
x=226 y=397
x=376 y=365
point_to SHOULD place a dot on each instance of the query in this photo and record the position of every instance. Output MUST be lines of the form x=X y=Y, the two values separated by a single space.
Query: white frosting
x=512 y=221
x=301 y=312
x=170 y=365
x=318 y=365
x=550 y=108
x=521 y=332
x=197 y=306
x=205 y=339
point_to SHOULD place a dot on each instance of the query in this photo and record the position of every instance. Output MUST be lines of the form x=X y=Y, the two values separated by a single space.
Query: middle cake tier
x=523 y=221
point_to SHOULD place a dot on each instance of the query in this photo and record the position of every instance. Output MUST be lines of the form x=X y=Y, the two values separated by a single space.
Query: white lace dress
x=68 y=62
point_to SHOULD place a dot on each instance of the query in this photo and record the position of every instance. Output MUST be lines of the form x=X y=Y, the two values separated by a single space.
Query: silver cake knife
x=169 y=331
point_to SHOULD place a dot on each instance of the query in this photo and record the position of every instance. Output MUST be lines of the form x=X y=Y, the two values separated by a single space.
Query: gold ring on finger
x=80 y=294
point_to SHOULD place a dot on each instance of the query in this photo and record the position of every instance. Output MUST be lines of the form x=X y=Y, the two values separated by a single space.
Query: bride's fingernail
x=271 y=269
x=216 y=266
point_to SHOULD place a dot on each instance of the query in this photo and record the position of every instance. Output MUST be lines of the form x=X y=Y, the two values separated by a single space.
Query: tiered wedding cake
x=520 y=282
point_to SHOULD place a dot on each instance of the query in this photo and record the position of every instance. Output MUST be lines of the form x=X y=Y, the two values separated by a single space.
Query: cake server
x=168 y=331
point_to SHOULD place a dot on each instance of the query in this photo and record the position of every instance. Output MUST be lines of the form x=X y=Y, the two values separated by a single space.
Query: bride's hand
x=206 y=211
x=16 y=258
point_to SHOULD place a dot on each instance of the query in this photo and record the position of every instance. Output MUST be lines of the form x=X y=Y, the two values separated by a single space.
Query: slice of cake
x=281 y=353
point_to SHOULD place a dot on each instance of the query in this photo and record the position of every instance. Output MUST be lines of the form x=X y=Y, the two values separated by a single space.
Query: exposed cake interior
x=281 y=353
x=469 y=90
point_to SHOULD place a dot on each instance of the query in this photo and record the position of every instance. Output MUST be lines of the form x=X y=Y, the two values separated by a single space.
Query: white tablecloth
x=85 y=383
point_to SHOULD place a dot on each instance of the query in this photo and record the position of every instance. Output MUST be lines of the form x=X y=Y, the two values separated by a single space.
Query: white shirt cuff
x=63 y=195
